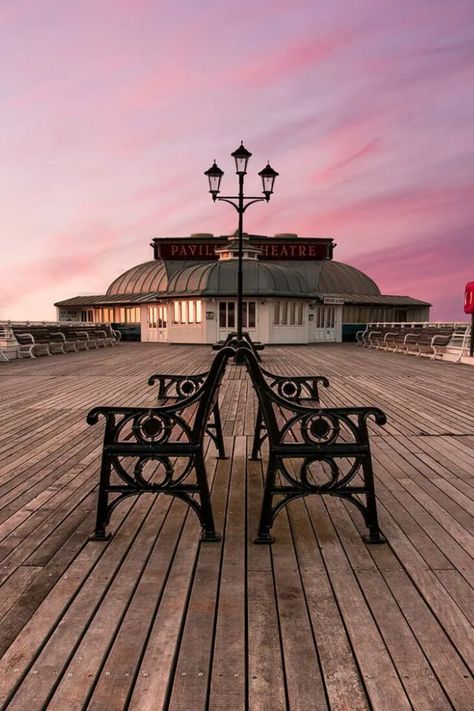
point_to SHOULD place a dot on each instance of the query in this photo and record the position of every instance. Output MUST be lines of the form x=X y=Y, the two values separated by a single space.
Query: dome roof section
x=144 y=278
x=339 y=278
x=220 y=279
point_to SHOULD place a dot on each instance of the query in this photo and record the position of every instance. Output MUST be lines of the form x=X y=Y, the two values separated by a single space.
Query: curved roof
x=220 y=279
x=339 y=278
x=144 y=278
x=260 y=279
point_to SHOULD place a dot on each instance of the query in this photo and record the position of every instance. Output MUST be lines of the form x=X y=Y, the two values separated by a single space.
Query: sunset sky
x=112 y=109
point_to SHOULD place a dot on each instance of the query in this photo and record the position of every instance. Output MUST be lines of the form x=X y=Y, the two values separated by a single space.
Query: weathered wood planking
x=154 y=619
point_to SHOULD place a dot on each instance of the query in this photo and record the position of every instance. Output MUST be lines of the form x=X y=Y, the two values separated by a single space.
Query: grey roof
x=109 y=299
x=298 y=279
x=144 y=278
x=220 y=279
x=338 y=278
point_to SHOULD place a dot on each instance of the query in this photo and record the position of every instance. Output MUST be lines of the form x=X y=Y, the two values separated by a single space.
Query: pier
x=156 y=619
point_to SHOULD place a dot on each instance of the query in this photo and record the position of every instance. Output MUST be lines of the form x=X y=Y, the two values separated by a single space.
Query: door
x=228 y=318
x=157 y=323
x=324 y=323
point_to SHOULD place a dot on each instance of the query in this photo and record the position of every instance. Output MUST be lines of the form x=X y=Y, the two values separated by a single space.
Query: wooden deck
x=153 y=619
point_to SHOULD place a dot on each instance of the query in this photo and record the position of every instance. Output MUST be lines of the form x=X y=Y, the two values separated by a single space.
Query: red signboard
x=469 y=298
x=188 y=250
x=279 y=250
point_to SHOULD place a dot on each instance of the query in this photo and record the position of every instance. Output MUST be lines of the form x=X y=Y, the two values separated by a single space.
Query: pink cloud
x=114 y=109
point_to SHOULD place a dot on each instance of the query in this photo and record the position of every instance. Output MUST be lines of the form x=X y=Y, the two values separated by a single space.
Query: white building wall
x=210 y=314
x=265 y=331
x=187 y=333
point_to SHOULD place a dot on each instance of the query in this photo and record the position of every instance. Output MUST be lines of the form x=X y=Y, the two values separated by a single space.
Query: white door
x=324 y=324
x=157 y=323
x=228 y=318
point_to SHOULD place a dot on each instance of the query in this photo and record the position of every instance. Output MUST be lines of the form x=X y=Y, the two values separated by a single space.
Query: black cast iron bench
x=175 y=388
x=300 y=389
x=314 y=450
x=143 y=447
x=232 y=341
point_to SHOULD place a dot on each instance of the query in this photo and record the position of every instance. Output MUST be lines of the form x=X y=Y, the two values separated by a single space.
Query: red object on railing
x=469 y=298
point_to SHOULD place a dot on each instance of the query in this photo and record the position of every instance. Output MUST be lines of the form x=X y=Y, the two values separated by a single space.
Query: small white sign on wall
x=333 y=300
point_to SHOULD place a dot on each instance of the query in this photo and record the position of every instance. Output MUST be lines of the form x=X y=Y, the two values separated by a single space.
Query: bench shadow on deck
x=154 y=619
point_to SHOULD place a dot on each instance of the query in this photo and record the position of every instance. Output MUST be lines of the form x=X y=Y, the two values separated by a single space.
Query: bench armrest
x=441 y=338
x=26 y=335
x=177 y=386
x=296 y=387
x=58 y=333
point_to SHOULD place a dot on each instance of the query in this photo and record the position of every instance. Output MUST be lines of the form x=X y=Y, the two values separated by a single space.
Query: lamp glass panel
x=241 y=164
x=214 y=181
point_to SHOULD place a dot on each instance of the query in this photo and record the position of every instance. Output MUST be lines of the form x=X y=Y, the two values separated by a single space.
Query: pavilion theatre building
x=294 y=292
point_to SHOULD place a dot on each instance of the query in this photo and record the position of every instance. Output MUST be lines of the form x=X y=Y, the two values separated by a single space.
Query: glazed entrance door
x=157 y=323
x=324 y=324
x=228 y=318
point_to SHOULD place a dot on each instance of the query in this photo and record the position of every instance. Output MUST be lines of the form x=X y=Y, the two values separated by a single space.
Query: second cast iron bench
x=313 y=450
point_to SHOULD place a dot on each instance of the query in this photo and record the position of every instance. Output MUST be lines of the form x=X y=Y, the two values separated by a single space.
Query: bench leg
x=206 y=518
x=266 y=514
x=371 y=517
x=257 y=436
x=102 y=516
x=218 y=431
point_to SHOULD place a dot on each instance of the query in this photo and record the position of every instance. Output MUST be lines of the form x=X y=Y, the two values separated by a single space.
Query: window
x=157 y=316
x=400 y=315
x=106 y=315
x=251 y=306
x=300 y=313
x=87 y=315
x=288 y=312
x=228 y=314
x=152 y=316
x=185 y=312
x=162 y=316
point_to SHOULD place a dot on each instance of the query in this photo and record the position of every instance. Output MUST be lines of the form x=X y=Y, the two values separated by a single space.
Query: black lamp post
x=241 y=203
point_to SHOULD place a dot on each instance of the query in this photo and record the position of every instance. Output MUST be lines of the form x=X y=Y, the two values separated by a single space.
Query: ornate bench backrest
x=328 y=449
x=291 y=422
x=184 y=420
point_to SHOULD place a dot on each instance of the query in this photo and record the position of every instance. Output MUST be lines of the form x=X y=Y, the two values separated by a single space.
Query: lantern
x=241 y=157
x=214 y=173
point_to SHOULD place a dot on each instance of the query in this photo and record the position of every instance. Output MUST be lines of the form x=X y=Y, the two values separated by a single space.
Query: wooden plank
x=228 y=674
x=191 y=675
x=266 y=674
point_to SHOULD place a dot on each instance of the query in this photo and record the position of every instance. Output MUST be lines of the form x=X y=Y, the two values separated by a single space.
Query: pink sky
x=112 y=110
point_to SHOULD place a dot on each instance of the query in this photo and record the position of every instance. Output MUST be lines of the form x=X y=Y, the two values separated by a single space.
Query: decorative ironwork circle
x=186 y=387
x=289 y=390
x=320 y=429
x=153 y=479
x=152 y=428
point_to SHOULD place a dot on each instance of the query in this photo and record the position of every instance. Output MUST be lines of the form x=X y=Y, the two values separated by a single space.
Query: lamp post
x=241 y=203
